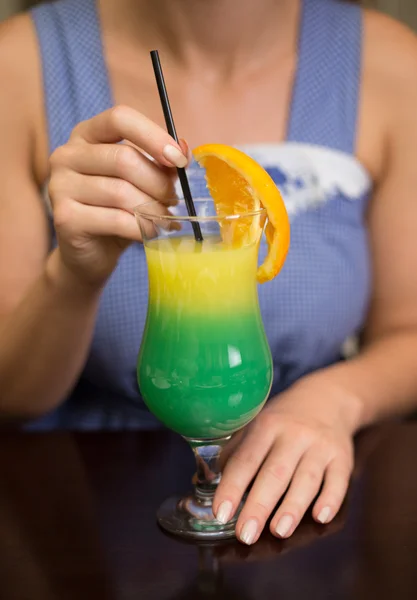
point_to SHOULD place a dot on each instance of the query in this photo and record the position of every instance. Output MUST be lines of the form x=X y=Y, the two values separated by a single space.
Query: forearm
x=382 y=379
x=44 y=343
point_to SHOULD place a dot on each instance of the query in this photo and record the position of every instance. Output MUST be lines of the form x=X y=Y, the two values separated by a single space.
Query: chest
x=255 y=108
x=251 y=109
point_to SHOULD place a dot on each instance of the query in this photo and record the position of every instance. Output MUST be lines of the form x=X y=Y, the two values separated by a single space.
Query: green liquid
x=204 y=372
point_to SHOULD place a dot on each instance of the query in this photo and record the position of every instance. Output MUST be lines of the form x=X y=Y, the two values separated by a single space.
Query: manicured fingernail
x=324 y=515
x=224 y=512
x=284 y=526
x=186 y=148
x=174 y=156
x=249 y=531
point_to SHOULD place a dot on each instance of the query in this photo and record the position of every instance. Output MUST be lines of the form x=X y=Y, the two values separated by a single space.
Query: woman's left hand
x=299 y=446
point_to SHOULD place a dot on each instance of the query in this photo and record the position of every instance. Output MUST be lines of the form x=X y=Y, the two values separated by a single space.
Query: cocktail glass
x=204 y=367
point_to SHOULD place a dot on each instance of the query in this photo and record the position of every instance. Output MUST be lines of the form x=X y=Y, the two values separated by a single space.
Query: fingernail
x=174 y=156
x=249 y=531
x=284 y=525
x=224 y=512
x=324 y=515
x=186 y=149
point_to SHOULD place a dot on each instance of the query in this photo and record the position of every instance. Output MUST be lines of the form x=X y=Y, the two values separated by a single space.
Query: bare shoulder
x=18 y=50
x=21 y=100
x=16 y=30
x=390 y=53
x=388 y=91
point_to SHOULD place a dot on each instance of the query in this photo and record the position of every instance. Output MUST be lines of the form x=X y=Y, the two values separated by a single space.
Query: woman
x=324 y=96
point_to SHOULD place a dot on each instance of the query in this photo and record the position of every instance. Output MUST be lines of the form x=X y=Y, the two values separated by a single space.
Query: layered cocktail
x=204 y=368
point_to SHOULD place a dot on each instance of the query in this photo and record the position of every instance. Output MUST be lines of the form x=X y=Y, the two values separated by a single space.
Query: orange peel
x=239 y=185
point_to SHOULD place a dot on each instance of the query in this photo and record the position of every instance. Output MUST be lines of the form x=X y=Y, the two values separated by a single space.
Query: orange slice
x=238 y=184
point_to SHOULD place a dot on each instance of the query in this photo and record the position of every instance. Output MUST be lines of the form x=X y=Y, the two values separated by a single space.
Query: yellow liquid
x=204 y=367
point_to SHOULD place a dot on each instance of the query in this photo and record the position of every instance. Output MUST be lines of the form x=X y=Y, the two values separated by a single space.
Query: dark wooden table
x=77 y=521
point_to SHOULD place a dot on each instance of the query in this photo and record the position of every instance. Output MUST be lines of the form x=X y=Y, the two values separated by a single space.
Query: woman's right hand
x=96 y=181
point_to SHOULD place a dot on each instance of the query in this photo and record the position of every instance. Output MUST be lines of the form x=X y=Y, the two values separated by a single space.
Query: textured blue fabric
x=320 y=297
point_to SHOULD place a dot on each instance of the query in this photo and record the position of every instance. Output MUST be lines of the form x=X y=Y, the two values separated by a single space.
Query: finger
x=124 y=123
x=101 y=191
x=271 y=483
x=186 y=150
x=304 y=487
x=76 y=219
x=336 y=483
x=239 y=471
x=120 y=161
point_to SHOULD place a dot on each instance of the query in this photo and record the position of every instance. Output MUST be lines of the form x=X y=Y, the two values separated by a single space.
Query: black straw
x=166 y=107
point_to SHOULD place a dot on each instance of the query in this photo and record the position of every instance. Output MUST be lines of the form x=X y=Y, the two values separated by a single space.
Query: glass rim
x=138 y=210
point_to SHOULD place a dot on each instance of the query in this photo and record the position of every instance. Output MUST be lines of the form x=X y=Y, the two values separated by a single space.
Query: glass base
x=190 y=518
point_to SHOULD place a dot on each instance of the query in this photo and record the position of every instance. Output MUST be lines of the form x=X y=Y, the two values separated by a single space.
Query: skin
x=300 y=448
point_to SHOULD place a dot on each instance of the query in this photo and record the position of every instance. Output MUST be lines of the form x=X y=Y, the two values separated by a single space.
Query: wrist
x=348 y=401
x=63 y=282
x=330 y=400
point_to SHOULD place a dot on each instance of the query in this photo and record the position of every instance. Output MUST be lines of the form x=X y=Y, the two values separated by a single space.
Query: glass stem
x=207 y=454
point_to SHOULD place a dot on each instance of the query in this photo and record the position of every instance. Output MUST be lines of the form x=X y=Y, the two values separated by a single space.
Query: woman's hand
x=299 y=447
x=96 y=182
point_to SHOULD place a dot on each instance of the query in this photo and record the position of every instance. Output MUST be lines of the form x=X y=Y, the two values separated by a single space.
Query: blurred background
x=405 y=10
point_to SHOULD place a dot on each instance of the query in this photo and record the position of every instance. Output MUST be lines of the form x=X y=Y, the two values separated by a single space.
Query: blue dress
x=321 y=297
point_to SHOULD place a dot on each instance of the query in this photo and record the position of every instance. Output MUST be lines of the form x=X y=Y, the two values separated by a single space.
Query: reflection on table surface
x=77 y=521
